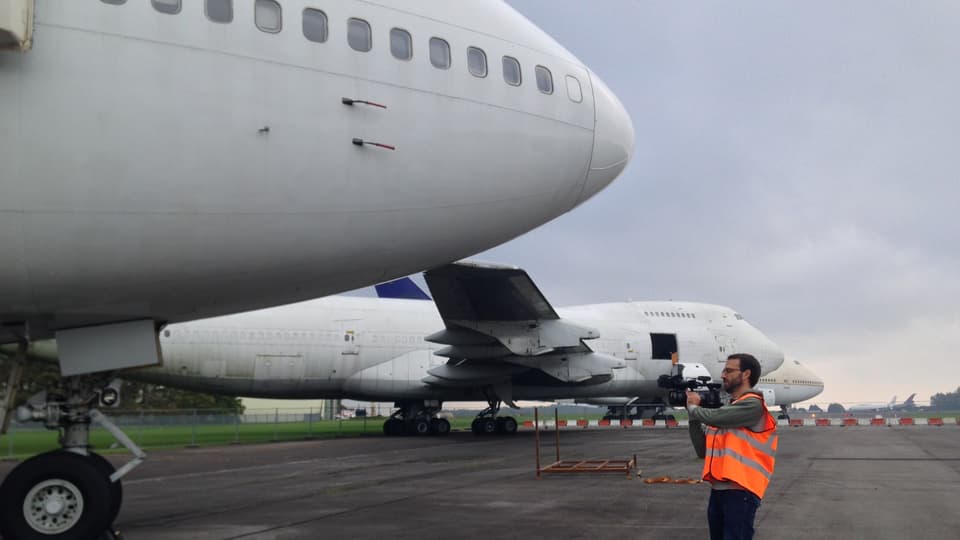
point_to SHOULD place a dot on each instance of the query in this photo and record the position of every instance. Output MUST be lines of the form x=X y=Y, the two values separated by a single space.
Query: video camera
x=678 y=386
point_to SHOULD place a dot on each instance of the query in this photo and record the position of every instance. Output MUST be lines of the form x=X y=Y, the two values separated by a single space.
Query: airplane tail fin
x=909 y=400
x=403 y=288
x=893 y=402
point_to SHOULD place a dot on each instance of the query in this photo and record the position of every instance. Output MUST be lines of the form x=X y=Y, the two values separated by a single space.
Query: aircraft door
x=663 y=346
x=350 y=337
x=726 y=346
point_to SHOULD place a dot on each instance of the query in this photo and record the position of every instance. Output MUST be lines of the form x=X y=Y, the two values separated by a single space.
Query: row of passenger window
x=670 y=314
x=268 y=17
x=771 y=380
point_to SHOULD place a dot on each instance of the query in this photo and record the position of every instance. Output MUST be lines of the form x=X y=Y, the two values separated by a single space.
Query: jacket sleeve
x=698 y=438
x=744 y=413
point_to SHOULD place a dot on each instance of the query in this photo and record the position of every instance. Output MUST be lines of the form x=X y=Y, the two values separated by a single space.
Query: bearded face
x=732 y=377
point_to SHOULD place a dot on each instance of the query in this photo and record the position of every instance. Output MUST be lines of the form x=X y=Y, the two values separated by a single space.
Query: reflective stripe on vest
x=743 y=455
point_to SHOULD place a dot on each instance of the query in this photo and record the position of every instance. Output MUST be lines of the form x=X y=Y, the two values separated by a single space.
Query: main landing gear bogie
x=416 y=418
x=488 y=423
x=506 y=425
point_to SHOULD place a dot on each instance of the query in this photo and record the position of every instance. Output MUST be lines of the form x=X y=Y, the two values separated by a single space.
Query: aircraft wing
x=499 y=325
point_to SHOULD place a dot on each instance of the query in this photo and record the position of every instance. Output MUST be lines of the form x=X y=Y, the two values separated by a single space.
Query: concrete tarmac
x=830 y=482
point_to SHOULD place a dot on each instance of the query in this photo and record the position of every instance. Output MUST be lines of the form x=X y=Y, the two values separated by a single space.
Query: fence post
x=236 y=427
x=276 y=422
x=10 y=441
x=310 y=424
x=140 y=431
x=193 y=430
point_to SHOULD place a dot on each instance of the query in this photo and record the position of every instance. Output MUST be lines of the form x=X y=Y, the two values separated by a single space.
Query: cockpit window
x=315 y=25
x=220 y=11
x=477 y=62
x=268 y=16
x=359 y=35
x=574 y=92
x=167 y=6
x=511 y=71
x=439 y=53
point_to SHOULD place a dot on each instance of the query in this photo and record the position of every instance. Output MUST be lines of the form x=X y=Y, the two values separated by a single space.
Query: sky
x=795 y=161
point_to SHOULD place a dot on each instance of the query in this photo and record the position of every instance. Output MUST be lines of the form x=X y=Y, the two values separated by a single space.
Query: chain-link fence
x=152 y=429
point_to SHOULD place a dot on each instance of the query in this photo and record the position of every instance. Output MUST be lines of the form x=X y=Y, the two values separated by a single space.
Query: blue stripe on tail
x=403 y=288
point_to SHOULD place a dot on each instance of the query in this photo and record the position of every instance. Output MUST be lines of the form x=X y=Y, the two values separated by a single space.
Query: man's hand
x=693 y=398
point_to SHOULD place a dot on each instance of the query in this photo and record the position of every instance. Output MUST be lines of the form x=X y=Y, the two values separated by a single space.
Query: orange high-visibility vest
x=743 y=455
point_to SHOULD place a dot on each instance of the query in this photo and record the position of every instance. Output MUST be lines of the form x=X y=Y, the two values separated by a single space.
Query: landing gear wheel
x=440 y=426
x=488 y=426
x=55 y=496
x=116 y=490
x=420 y=426
x=507 y=425
x=392 y=426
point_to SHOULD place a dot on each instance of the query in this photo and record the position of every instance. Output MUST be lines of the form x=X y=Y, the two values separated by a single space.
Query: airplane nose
x=612 y=140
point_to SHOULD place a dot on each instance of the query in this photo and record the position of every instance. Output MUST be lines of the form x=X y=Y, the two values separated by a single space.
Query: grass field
x=21 y=443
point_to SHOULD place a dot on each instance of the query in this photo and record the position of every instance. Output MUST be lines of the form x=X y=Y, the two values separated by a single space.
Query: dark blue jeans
x=730 y=514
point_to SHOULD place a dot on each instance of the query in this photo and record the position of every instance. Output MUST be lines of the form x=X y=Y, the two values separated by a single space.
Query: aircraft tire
x=507 y=425
x=421 y=427
x=488 y=426
x=116 y=490
x=440 y=426
x=392 y=427
x=63 y=494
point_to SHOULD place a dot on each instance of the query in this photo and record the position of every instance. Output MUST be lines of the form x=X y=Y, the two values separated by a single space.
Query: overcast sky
x=798 y=162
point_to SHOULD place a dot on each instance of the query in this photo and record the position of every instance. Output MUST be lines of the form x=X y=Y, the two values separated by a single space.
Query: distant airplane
x=166 y=161
x=907 y=405
x=891 y=405
x=790 y=383
x=499 y=341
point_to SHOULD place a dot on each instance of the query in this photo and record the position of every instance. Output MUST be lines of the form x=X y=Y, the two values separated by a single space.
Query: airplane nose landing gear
x=68 y=494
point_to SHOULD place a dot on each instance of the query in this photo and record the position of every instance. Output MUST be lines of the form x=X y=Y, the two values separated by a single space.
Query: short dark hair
x=748 y=361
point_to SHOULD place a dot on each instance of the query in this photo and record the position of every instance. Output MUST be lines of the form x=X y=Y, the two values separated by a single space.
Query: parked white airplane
x=891 y=405
x=164 y=161
x=502 y=342
x=790 y=383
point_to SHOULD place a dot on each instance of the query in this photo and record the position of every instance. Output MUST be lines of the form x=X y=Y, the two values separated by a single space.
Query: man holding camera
x=738 y=442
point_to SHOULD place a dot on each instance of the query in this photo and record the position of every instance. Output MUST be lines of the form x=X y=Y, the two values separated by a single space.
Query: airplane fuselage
x=169 y=167
x=373 y=349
